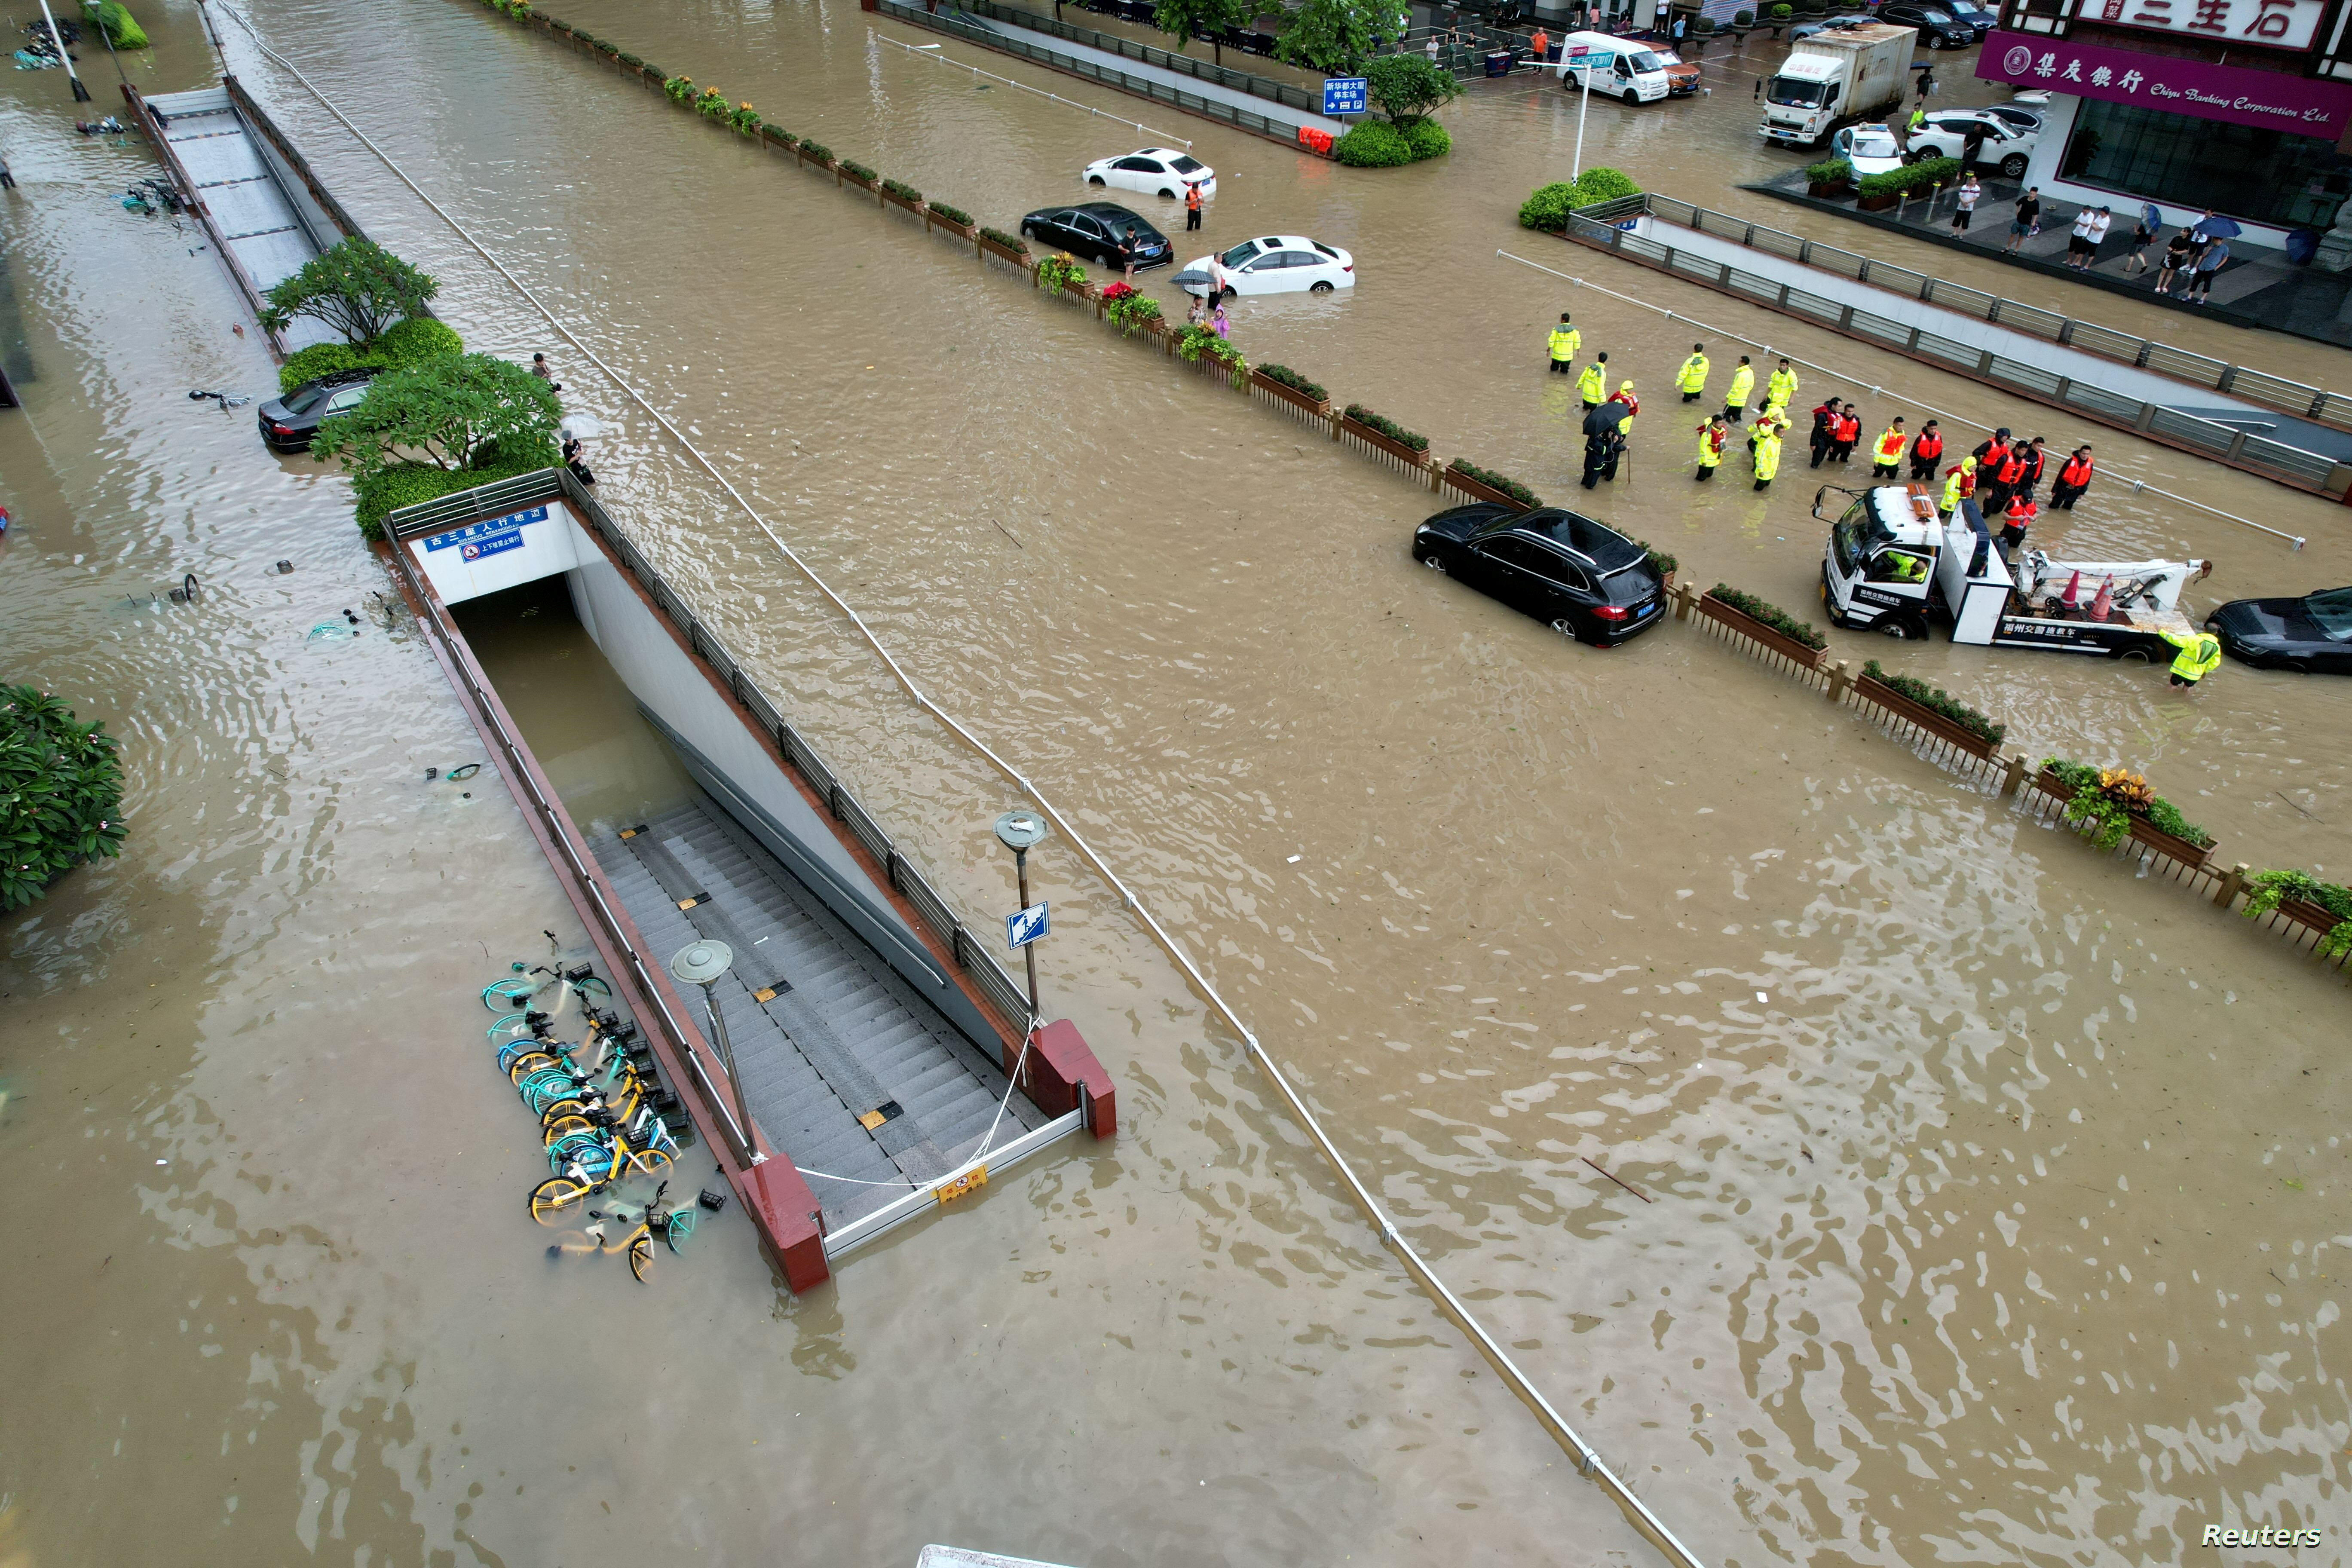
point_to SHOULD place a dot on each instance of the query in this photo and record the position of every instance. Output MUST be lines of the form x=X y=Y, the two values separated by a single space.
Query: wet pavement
x=1902 y=1074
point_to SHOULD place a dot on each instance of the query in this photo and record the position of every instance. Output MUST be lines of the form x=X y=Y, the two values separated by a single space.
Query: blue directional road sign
x=1343 y=95
x=1025 y=926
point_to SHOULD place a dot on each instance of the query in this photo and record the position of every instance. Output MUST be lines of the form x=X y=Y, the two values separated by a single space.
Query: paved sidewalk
x=2256 y=288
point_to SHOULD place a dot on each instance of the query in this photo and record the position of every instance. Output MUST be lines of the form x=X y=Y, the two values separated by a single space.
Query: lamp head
x=1021 y=830
x=700 y=963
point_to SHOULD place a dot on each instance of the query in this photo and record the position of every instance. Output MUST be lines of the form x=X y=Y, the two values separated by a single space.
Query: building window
x=2178 y=161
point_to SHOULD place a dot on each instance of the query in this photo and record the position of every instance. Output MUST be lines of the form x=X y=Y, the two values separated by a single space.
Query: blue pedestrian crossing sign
x=1025 y=926
x=1343 y=95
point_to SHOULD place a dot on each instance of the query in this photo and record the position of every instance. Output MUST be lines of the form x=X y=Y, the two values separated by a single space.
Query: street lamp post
x=82 y=93
x=1021 y=831
x=701 y=964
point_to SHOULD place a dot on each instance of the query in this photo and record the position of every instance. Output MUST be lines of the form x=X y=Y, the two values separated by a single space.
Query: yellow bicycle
x=672 y=1225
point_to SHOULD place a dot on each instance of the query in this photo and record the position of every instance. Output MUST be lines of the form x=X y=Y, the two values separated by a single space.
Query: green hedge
x=60 y=794
x=1937 y=701
x=402 y=346
x=852 y=166
x=1010 y=241
x=411 y=483
x=1386 y=426
x=1661 y=561
x=1495 y=481
x=2092 y=804
x=1427 y=139
x=1374 y=144
x=1548 y=206
x=817 y=149
x=1293 y=380
x=2268 y=890
x=1773 y=615
x=902 y=190
x=1911 y=179
x=1836 y=171
x=953 y=215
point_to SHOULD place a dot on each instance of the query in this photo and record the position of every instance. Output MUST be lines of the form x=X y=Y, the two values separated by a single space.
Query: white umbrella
x=580 y=426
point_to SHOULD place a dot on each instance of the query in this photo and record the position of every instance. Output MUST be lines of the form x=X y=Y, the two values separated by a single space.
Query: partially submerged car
x=1583 y=578
x=2312 y=635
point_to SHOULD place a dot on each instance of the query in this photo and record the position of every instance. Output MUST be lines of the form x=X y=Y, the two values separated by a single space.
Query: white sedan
x=1279 y=264
x=1154 y=171
x=1871 y=149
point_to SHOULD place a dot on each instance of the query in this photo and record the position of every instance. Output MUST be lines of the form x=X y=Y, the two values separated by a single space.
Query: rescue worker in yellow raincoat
x=1691 y=381
x=1711 y=437
x=2199 y=653
x=1886 y=455
x=1564 y=341
x=1959 y=485
x=1766 y=448
x=1743 y=382
x=1780 y=390
x=1593 y=385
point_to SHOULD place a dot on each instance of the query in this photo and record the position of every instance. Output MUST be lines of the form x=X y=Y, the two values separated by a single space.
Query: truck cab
x=1893 y=565
x=1803 y=100
x=1635 y=71
x=1837 y=77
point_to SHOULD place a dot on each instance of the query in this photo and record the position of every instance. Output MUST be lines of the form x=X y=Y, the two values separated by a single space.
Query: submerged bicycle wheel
x=650 y=1162
x=564 y=1126
x=557 y=1199
x=528 y=1063
x=506 y=996
x=681 y=1225
x=640 y=1254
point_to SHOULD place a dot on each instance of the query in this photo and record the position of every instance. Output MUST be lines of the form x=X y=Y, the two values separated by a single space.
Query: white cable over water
x=1589 y=1461
x=933 y=52
x=2138 y=485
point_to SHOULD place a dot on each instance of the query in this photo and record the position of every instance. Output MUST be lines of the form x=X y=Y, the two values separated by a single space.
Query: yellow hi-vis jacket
x=1961 y=482
x=1780 y=387
x=1593 y=385
x=2200 y=652
x=1565 y=341
x=1743 y=382
x=1694 y=375
x=1767 y=453
x=1710 y=446
x=1890 y=446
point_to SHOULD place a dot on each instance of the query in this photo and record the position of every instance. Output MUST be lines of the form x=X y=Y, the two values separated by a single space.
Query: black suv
x=289 y=421
x=1938 y=28
x=1585 y=579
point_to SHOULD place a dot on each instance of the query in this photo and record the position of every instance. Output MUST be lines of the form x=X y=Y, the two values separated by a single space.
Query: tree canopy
x=1334 y=37
x=1184 y=20
x=1407 y=87
x=358 y=288
x=453 y=413
x=60 y=794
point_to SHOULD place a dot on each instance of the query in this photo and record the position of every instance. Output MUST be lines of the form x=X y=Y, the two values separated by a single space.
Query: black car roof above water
x=1597 y=542
x=1123 y=215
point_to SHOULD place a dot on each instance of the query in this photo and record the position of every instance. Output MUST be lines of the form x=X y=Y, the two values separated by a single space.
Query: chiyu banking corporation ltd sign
x=2298 y=105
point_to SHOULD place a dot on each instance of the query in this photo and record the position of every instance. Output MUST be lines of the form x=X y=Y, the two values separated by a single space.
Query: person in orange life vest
x=2074 y=478
x=1849 y=431
x=2015 y=520
x=2036 y=458
x=1825 y=424
x=2009 y=479
x=1991 y=454
x=1926 y=452
x=1192 y=205
x=1886 y=454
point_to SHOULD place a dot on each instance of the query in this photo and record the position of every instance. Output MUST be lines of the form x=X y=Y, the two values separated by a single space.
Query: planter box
x=1320 y=407
x=1927 y=719
x=1746 y=626
x=2142 y=830
x=1837 y=190
x=774 y=138
x=1003 y=253
x=1371 y=437
x=842 y=176
x=960 y=230
x=894 y=199
x=1877 y=203
x=1479 y=491
x=2317 y=917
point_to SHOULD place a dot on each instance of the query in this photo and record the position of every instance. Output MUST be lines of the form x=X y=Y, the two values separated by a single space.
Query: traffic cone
x=2073 y=590
x=2103 y=604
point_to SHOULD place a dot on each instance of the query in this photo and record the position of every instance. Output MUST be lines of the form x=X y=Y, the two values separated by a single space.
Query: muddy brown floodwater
x=1903 y=1075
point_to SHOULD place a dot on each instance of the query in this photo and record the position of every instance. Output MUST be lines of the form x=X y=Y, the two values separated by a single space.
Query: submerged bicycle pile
x=604 y=1114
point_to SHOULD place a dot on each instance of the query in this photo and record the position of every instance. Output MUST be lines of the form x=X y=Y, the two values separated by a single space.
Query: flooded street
x=1901 y=1075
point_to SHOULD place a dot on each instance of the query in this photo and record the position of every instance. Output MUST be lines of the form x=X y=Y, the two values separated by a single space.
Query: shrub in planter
x=1773 y=616
x=953 y=215
x=651 y=69
x=1906 y=181
x=1495 y=481
x=415 y=341
x=1597 y=185
x=1057 y=274
x=1427 y=139
x=2268 y=890
x=1010 y=242
x=1780 y=11
x=680 y=88
x=1835 y=171
x=1196 y=343
x=1548 y=206
x=713 y=104
x=408 y=484
x=1127 y=307
x=1372 y=145
x=744 y=118
x=1663 y=565
x=60 y=794
x=1388 y=427
x=852 y=166
x=816 y=150
x=1703 y=26
x=317 y=360
x=902 y=190
x=1293 y=380
x=2111 y=797
x=1939 y=701
x=1743 y=18
x=633 y=61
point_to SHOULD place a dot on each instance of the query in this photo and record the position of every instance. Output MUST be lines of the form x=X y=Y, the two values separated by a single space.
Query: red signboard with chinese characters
x=2301 y=106
x=2271 y=24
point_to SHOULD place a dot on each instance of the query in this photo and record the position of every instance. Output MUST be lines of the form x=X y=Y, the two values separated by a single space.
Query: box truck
x=1837 y=77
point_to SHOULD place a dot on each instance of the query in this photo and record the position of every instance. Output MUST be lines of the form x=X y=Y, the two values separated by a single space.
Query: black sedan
x=1587 y=581
x=1938 y=28
x=289 y=423
x=2312 y=635
x=1091 y=231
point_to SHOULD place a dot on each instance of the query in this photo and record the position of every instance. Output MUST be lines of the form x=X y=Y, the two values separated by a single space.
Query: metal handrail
x=923 y=1199
x=1166 y=60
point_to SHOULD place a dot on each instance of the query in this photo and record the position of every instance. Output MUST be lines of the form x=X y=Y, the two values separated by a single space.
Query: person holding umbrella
x=1605 y=431
x=2216 y=233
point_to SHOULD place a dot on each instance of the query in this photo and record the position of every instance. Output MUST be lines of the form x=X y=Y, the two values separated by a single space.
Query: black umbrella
x=1604 y=420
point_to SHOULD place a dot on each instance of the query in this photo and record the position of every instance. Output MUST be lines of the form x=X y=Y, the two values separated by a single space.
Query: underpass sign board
x=1344 y=95
x=1025 y=926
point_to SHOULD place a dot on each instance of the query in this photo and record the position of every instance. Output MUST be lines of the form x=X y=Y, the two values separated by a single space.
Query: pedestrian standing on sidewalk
x=2179 y=251
x=2074 y=478
x=1562 y=344
x=1964 y=201
x=2208 y=262
x=1926 y=452
x=1192 y=205
x=2028 y=221
x=2078 y=243
x=1539 y=46
x=1691 y=382
x=2143 y=236
x=1743 y=382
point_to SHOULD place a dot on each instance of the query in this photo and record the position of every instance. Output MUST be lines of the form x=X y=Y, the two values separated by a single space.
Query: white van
x=1635 y=71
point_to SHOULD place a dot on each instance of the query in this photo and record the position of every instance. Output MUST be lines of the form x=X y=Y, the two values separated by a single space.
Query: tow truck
x=1894 y=564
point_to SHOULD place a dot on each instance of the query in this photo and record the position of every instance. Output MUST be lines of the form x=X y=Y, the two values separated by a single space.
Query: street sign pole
x=1021 y=831
x=1028 y=949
